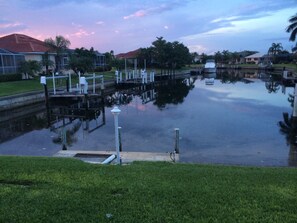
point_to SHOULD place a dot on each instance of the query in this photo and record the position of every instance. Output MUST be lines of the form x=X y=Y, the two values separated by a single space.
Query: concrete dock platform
x=126 y=157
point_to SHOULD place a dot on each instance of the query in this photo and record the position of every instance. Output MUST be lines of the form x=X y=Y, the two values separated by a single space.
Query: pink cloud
x=81 y=33
x=139 y=13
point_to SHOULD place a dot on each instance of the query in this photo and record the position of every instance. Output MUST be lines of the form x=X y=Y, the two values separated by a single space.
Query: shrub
x=101 y=69
x=10 y=77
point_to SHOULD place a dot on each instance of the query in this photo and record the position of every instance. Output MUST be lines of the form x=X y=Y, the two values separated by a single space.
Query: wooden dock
x=126 y=157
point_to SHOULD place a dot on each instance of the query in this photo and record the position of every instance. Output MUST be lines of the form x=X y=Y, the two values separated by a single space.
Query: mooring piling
x=120 y=139
x=176 y=144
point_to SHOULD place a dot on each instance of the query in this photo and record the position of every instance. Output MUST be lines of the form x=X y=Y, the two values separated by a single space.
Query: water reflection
x=161 y=93
x=173 y=92
x=288 y=127
x=17 y=122
x=232 y=122
x=66 y=119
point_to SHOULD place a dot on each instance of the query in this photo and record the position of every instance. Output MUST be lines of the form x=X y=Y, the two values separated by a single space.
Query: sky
x=204 y=26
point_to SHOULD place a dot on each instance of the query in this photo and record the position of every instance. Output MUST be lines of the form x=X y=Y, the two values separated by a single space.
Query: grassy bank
x=24 y=86
x=66 y=190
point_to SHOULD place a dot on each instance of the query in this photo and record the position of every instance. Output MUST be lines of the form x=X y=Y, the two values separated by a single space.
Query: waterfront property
x=34 y=49
x=9 y=61
x=233 y=121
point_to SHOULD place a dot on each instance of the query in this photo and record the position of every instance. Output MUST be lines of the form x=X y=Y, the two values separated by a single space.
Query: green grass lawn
x=24 y=86
x=17 y=87
x=67 y=190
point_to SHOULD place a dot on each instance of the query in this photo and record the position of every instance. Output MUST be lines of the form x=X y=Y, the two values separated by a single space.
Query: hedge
x=10 y=77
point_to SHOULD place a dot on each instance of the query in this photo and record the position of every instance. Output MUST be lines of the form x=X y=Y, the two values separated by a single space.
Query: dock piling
x=176 y=145
x=120 y=138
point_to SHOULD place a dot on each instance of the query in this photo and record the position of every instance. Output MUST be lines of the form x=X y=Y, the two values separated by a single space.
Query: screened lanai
x=9 y=61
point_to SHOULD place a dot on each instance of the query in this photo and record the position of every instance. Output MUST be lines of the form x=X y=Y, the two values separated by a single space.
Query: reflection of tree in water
x=229 y=77
x=273 y=83
x=66 y=136
x=272 y=87
x=288 y=127
x=118 y=98
x=172 y=92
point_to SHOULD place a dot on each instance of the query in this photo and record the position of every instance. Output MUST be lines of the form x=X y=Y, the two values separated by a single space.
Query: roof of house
x=256 y=55
x=4 y=51
x=22 y=44
x=129 y=55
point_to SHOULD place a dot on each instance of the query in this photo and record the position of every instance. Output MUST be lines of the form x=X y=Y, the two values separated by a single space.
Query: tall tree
x=160 y=52
x=169 y=55
x=274 y=50
x=292 y=28
x=46 y=62
x=218 y=57
x=60 y=44
x=82 y=60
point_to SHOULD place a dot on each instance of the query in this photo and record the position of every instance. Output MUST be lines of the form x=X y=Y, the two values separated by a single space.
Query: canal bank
x=36 y=97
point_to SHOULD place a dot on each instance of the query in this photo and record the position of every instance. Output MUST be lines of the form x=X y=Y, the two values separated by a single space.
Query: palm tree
x=275 y=49
x=292 y=28
x=47 y=62
x=59 y=45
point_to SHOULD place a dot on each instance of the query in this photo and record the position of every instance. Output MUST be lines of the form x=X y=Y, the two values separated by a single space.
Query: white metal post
x=79 y=81
x=117 y=76
x=102 y=82
x=116 y=111
x=126 y=66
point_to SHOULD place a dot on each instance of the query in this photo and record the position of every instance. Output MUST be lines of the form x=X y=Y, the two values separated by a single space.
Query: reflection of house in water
x=66 y=119
x=17 y=122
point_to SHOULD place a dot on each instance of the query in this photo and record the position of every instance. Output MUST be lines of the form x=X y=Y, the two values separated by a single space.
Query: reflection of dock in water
x=86 y=111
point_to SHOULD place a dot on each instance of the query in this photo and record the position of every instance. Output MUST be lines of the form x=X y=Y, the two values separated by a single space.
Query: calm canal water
x=234 y=120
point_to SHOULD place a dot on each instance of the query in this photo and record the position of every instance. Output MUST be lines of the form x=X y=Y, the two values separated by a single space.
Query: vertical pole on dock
x=94 y=83
x=70 y=84
x=54 y=83
x=43 y=82
x=176 y=145
x=79 y=82
x=295 y=102
x=126 y=67
x=120 y=138
x=116 y=76
x=116 y=111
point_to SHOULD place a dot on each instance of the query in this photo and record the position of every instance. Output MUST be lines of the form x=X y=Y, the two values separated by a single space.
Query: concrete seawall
x=11 y=102
x=19 y=100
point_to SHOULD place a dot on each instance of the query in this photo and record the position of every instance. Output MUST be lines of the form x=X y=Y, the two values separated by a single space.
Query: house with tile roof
x=32 y=49
x=9 y=61
x=130 y=55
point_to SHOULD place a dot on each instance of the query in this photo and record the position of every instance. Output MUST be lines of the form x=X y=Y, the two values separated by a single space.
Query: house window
x=65 y=60
x=8 y=60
